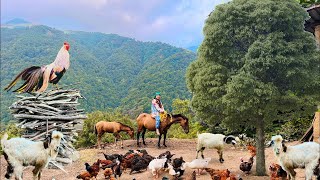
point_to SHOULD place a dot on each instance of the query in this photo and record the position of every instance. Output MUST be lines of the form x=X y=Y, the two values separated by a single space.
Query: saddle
x=163 y=116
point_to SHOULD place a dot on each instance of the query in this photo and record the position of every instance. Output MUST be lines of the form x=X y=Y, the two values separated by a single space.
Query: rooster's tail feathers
x=31 y=76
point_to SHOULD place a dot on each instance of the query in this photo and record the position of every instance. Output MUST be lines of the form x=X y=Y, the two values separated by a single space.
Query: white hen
x=197 y=164
x=156 y=165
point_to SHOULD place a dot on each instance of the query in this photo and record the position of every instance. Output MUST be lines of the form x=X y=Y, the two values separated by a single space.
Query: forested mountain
x=111 y=71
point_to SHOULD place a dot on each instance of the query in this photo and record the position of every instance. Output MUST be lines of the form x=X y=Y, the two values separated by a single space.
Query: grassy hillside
x=111 y=71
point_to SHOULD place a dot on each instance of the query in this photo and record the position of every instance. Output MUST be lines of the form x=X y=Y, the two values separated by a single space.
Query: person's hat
x=157 y=93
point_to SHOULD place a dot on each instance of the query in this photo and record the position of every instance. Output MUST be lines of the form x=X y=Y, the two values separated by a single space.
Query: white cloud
x=176 y=22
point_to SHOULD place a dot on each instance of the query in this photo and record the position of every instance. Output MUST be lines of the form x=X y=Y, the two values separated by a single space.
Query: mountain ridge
x=111 y=71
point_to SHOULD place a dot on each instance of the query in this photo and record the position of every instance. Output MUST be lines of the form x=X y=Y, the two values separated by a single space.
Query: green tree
x=255 y=65
x=308 y=3
x=180 y=106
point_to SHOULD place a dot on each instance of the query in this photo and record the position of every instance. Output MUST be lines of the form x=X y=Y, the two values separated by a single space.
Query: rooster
x=276 y=172
x=37 y=78
x=252 y=150
x=246 y=166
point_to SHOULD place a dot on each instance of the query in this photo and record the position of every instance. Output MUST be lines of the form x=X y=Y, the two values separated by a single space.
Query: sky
x=176 y=22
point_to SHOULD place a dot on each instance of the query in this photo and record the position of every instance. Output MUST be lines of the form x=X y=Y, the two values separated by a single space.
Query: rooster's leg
x=57 y=87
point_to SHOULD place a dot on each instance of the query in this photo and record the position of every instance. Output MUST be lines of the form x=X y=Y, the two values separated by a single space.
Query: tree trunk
x=317 y=35
x=260 y=164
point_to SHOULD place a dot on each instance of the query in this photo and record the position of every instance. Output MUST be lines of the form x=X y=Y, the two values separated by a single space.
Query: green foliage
x=180 y=106
x=252 y=65
x=308 y=3
x=88 y=138
x=111 y=71
x=12 y=130
x=295 y=129
x=255 y=65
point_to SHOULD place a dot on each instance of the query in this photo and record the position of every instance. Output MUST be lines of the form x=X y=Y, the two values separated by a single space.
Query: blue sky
x=177 y=22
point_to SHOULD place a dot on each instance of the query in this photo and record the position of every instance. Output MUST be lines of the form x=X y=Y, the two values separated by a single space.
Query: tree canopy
x=255 y=65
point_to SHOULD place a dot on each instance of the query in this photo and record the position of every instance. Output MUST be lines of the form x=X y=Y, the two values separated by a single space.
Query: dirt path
x=179 y=147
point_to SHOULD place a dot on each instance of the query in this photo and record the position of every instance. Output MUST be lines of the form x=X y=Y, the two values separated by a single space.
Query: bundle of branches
x=43 y=113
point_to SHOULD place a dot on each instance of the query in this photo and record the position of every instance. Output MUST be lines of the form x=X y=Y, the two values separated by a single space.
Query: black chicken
x=88 y=168
x=113 y=157
x=177 y=165
x=246 y=166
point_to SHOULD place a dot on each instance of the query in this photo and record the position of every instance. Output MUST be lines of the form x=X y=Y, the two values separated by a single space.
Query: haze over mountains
x=111 y=71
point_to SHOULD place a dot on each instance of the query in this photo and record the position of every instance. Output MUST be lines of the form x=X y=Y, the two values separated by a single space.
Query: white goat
x=216 y=141
x=20 y=152
x=305 y=155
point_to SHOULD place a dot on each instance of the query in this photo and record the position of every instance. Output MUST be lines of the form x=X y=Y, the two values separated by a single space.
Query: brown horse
x=112 y=127
x=145 y=121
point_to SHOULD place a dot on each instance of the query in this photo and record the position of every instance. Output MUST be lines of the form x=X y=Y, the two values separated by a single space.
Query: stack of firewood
x=40 y=114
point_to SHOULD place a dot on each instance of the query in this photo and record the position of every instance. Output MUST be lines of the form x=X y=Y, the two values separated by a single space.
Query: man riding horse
x=156 y=109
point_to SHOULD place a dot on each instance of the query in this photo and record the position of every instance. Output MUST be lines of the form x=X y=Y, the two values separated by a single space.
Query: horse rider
x=156 y=109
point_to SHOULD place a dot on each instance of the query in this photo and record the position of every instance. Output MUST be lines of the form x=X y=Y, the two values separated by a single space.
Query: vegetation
x=308 y=3
x=111 y=71
x=183 y=107
x=12 y=130
x=87 y=136
x=256 y=65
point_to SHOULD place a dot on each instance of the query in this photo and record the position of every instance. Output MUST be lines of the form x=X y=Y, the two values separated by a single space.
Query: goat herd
x=20 y=152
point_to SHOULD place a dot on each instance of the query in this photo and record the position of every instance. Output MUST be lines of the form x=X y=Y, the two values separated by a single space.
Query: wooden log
x=46 y=106
x=63 y=160
x=62 y=118
x=56 y=107
x=41 y=134
x=36 y=110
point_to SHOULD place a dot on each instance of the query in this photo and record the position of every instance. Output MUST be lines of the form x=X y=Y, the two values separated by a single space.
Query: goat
x=305 y=155
x=208 y=140
x=20 y=152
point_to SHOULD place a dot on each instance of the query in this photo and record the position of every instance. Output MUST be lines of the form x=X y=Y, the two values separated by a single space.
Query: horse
x=112 y=127
x=146 y=121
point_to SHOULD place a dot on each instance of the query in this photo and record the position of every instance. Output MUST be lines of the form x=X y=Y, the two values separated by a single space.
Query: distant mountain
x=111 y=71
x=193 y=48
x=17 y=21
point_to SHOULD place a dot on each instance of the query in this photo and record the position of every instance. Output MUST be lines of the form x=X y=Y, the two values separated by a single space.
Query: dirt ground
x=179 y=147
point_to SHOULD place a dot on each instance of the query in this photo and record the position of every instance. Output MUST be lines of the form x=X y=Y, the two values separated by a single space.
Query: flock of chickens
x=139 y=160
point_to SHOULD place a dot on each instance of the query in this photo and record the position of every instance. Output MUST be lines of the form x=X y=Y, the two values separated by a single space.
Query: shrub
x=12 y=130
x=88 y=138
x=176 y=131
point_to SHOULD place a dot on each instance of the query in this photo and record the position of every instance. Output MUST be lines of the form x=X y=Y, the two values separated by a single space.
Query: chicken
x=139 y=163
x=104 y=163
x=84 y=175
x=37 y=78
x=197 y=164
x=234 y=177
x=178 y=165
x=252 y=150
x=166 y=154
x=94 y=169
x=246 y=166
x=113 y=156
x=107 y=173
x=218 y=174
x=192 y=176
x=276 y=172
x=116 y=168
x=143 y=151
